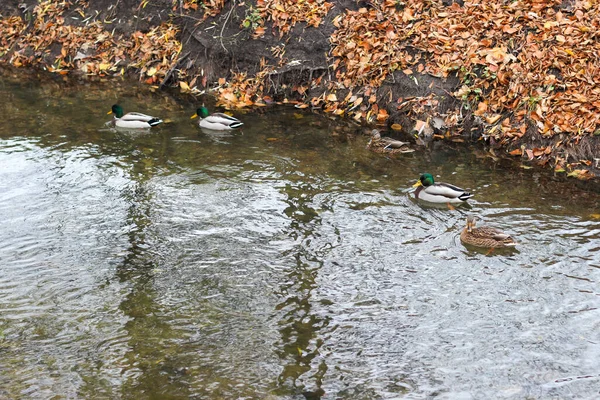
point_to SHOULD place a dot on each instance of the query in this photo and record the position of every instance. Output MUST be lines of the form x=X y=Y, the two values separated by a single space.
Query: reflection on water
x=280 y=261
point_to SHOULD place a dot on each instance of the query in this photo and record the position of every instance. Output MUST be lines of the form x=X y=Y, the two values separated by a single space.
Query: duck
x=132 y=120
x=216 y=121
x=428 y=190
x=387 y=145
x=485 y=236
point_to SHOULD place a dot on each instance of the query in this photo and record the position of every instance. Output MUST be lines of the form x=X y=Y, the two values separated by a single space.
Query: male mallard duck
x=132 y=120
x=428 y=190
x=485 y=236
x=387 y=145
x=216 y=121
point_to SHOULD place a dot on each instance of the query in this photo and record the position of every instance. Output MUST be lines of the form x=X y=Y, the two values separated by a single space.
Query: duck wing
x=448 y=190
x=224 y=119
x=393 y=143
x=495 y=234
x=139 y=117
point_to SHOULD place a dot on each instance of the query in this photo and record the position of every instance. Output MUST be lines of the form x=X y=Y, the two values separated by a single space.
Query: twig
x=170 y=72
x=224 y=25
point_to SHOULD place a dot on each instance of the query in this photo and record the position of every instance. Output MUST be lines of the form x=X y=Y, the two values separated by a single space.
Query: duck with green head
x=216 y=121
x=132 y=120
x=485 y=236
x=440 y=192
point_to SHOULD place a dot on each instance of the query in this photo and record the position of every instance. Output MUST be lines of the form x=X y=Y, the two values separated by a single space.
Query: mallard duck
x=485 y=236
x=387 y=145
x=216 y=121
x=132 y=120
x=432 y=192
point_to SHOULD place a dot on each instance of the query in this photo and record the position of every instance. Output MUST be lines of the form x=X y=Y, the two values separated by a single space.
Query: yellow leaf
x=103 y=66
x=150 y=72
x=184 y=86
x=397 y=127
x=331 y=97
x=582 y=174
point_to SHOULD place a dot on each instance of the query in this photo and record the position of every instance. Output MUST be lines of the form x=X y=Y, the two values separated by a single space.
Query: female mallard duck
x=132 y=120
x=387 y=145
x=485 y=236
x=216 y=121
x=428 y=190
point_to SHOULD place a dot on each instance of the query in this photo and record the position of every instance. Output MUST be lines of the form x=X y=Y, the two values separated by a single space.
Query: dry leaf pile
x=90 y=48
x=536 y=59
x=286 y=13
x=208 y=7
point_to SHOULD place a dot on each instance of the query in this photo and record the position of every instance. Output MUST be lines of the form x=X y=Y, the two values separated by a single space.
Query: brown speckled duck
x=386 y=145
x=485 y=236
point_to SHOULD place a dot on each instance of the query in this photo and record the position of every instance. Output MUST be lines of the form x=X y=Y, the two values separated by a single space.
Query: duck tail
x=465 y=196
x=155 y=121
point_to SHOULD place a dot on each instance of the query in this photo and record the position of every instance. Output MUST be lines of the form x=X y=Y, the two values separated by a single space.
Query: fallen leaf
x=516 y=152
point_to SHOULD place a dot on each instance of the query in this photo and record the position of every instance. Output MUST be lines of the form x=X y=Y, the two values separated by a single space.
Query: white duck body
x=134 y=120
x=216 y=121
x=220 y=122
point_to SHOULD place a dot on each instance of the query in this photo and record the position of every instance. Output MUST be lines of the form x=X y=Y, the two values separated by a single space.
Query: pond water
x=284 y=261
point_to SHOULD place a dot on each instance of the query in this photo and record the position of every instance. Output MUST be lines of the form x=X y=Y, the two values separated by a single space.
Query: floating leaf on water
x=396 y=127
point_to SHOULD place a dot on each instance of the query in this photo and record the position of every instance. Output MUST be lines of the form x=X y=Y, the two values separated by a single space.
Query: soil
x=219 y=46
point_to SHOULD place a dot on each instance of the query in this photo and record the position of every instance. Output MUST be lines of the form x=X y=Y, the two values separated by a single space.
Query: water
x=284 y=262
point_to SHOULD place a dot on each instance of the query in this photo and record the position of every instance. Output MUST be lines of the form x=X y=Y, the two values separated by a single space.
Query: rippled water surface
x=281 y=262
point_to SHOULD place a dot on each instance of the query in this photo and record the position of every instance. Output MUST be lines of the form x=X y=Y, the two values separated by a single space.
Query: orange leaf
x=516 y=152
x=481 y=108
x=529 y=154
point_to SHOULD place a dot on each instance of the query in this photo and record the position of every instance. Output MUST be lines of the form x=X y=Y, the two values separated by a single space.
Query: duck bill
x=108 y=113
x=417 y=184
x=193 y=116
